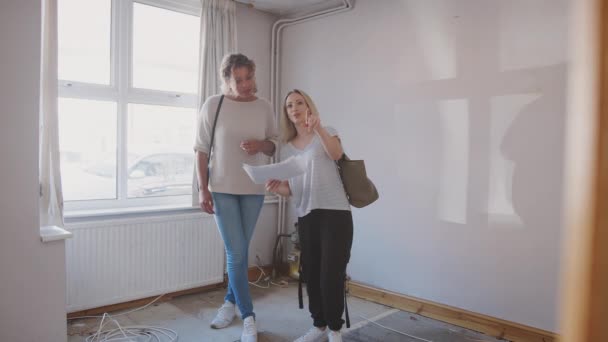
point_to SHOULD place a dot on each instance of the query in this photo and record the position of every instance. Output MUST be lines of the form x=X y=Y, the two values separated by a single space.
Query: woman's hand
x=251 y=146
x=278 y=187
x=313 y=122
x=205 y=201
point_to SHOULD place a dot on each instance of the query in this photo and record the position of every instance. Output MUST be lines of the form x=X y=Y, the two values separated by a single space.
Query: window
x=164 y=59
x=128 y=72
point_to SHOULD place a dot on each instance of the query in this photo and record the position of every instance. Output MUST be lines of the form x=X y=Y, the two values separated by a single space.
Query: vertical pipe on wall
x=275 y=51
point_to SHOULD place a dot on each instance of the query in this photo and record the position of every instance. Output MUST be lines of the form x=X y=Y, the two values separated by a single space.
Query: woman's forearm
x=331 y=144
x=267 y=147
x=201 y=170
x=284 y=189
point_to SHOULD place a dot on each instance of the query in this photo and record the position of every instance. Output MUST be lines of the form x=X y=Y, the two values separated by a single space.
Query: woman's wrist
x=321 y=131
x=267 y=147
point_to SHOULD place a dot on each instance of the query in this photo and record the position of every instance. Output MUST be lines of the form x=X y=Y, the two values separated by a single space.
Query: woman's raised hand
x=313 y=122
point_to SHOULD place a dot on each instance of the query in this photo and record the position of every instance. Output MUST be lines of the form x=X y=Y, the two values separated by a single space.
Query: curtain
x=217 y=38
x=51 y=197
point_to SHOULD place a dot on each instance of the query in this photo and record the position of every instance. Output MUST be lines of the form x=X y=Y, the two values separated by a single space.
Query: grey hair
x=231 y=62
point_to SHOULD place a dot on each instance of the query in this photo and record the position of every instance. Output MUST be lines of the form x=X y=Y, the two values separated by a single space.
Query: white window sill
x=53 y=233
x=130 y=211
x=77 y=215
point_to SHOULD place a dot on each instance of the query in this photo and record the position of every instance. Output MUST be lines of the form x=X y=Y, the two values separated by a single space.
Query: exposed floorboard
x=488 y=325
x=280 y=320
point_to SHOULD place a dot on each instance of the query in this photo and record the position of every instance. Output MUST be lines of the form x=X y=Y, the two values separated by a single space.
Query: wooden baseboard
x=485 y=324
x=253 y=275
x=141 y=302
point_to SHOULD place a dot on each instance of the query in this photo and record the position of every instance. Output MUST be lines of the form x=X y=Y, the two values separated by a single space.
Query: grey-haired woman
x=244 y=133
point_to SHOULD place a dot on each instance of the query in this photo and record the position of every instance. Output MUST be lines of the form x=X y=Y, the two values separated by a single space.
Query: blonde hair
x=231 y=62
x=288 y=129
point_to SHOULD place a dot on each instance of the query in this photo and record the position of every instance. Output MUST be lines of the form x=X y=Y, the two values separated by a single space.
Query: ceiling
x=289 y=7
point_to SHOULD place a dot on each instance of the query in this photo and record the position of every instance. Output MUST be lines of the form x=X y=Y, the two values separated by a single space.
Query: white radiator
x=119 y=260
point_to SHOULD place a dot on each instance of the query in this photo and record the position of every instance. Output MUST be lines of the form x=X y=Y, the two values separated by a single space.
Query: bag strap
x=217 y=113
x=344 y=157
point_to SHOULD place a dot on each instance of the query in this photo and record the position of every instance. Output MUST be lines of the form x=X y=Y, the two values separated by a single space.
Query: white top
x=320 y=187
x=237 y=121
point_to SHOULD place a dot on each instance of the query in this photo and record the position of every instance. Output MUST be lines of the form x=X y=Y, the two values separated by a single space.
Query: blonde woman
x=325 y=223
x=244 y=132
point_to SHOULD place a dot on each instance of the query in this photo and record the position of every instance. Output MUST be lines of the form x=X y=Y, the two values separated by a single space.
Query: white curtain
x=217 y=38
x=51 y=197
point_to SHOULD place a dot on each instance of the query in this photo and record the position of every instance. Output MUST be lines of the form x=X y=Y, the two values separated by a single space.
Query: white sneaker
x=313 y=334
x=224 y=316
x=334 y=336
x=250 y=331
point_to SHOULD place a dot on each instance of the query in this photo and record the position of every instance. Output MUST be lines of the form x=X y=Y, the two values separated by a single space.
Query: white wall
x=253 y=29
x=32 y=289
x=253 y=36
x=458 y=109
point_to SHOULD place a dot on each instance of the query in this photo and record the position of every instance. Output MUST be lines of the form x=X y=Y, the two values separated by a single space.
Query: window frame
x=121 y=91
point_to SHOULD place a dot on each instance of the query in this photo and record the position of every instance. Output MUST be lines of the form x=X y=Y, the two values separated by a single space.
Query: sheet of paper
x=290 y=167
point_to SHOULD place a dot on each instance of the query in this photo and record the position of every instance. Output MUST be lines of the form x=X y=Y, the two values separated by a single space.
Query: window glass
x=84 y=40
x=161 y=137
x=165 y=59
x=87 y=142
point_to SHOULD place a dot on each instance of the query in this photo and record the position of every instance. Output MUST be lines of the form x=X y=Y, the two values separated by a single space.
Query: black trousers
x=326 y=237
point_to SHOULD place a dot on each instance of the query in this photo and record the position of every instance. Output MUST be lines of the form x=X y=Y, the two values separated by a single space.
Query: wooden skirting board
x=485 y=324
x=141 y=302
x=253 y=275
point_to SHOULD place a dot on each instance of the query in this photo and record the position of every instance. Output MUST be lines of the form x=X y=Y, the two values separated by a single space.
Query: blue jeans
x=236 y=216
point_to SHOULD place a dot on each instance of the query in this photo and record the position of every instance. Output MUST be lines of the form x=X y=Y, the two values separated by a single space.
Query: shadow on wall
x=458 y=109
x=537 y=156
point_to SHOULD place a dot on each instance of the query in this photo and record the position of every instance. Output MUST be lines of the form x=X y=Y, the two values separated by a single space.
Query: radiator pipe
x=275 y=51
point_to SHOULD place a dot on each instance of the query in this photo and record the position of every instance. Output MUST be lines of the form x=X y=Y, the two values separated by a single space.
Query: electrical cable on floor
x=397 y=331
x=282 y=283
x=264 y=277
x=130 y=333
